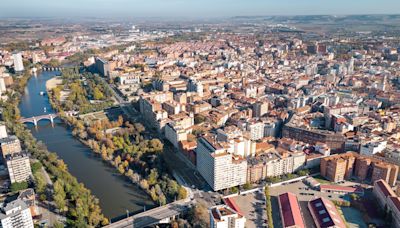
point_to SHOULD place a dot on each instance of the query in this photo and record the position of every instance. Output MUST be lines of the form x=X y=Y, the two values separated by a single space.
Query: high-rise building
x=16 y=214
x=18 y=63
x=219 y=168
x=102 y=66
x=259 y=109
x=19 y=168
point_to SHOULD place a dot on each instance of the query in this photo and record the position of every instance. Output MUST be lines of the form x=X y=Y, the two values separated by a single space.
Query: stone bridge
x=50 y=117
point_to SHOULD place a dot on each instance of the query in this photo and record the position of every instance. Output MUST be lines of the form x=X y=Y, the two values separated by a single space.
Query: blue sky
x=191 y=8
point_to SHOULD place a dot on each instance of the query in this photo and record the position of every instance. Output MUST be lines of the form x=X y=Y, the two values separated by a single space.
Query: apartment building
x=259 y=109
x=337 y=168
x=223 y=216
x=19 y=168
x=10 y=145
x=219 y=168
x=16 y=214
x=313 y=136
x=343 y=166
x=256 y=130
x=273 y=164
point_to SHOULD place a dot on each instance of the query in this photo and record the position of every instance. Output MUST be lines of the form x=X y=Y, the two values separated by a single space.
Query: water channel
x=116 y=195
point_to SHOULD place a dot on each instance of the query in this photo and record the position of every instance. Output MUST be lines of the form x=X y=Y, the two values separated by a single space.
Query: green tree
x=152 y=178
x=97 y=94
x=268 y=207
x=36 y=167
x=18 y=186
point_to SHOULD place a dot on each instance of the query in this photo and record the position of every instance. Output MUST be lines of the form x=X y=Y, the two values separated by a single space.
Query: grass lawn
x=322 y=180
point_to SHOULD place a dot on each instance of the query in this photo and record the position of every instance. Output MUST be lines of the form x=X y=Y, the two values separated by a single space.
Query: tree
x=247 y=186
x=152 y=178
x=97 y=94
x=268 y=207
x=59 y=195
x=36 y=166
x=182 y=194
x=40 y=183
x=18 y=186
x=198 y=215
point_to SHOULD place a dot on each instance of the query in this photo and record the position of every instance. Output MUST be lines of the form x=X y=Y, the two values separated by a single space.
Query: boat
x=42 y=93
x=44 y=109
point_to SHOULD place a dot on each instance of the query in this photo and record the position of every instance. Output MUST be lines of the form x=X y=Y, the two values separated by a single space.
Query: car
x=330 y=196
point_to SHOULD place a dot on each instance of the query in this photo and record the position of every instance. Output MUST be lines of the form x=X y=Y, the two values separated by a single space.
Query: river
x=116 y=195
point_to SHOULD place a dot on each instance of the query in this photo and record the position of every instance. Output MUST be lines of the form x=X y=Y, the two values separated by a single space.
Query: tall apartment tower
x=16 y=214
x=19 y=168
x=219 y=168
x=18 y=64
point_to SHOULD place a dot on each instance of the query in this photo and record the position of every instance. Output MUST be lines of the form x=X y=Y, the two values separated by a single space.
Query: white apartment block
x=285 y=163
x=219 y=168
x=16 y=214
x=18 y=64
x=223 y=216
x=175 y=134
x=256 y=130
x=19 y=168
x=372 y=148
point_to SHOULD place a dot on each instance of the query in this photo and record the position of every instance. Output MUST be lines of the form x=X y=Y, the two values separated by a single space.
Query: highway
x=153 y=216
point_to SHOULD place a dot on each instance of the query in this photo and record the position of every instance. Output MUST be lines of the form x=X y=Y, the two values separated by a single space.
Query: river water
x=116 y=195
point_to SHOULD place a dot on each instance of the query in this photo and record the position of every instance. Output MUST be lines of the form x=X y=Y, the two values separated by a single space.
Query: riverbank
x=69 y=194
x=116 y=194
x=126 y=149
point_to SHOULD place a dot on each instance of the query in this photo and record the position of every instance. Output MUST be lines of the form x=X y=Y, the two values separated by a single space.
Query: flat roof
x=290 y=210
x=385 y=188
x=341 y=188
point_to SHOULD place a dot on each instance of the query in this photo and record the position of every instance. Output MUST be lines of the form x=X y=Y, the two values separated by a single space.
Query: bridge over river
x=50 y=117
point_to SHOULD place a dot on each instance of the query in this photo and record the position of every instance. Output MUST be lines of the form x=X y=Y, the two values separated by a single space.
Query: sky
x=192 y=8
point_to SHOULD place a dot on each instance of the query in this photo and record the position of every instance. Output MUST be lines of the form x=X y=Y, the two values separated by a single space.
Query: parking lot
x=252 y=205
x=304 y=194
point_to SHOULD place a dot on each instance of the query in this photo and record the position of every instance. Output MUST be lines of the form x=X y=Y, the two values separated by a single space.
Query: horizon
x=192 y=9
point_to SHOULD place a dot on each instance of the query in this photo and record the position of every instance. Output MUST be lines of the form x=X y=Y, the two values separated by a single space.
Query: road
x=153 y=216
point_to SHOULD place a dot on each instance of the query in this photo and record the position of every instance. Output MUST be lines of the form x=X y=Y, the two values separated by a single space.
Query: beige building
x=19 y=168
x=10 y=145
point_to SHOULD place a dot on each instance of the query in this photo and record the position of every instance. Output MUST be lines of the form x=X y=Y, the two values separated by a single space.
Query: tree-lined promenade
x=125 y=147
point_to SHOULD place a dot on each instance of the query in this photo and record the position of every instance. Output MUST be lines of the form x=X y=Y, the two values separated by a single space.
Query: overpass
x=50 y=117
x=154 y=216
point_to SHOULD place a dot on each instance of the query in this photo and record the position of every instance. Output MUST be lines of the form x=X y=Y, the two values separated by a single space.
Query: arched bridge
x=50 y=117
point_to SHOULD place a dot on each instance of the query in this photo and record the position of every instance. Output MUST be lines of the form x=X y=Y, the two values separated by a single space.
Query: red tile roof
x=290 y=210
x=341 y=188
x=232 y=204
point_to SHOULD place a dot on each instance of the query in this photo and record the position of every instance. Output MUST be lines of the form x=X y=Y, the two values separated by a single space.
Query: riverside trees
x=77 y=203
